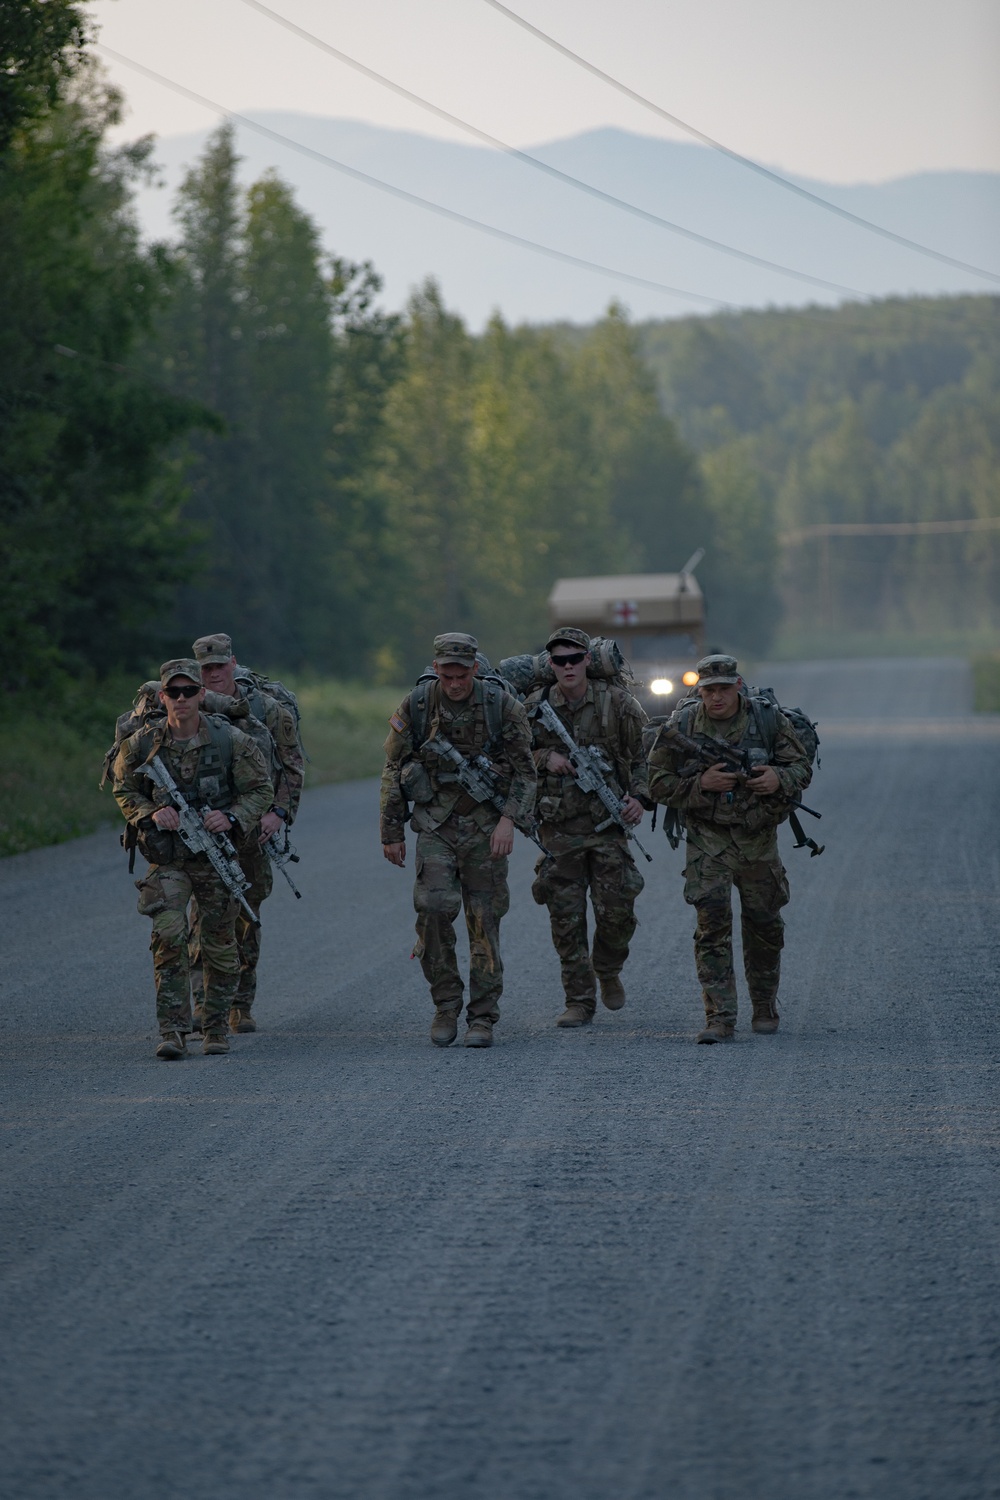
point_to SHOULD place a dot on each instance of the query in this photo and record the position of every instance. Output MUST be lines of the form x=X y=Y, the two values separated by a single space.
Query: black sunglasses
x=182 y=692
x=568 y=661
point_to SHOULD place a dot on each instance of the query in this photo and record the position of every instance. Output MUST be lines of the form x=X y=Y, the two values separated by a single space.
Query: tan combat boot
x=215 y=1043
x=765 y=1018
x=575 y=1014
x=717 y=1029
x=173 y=1044
x=444 y=1027
x=479 y=1034
x=612 y=991
x=240 y=1019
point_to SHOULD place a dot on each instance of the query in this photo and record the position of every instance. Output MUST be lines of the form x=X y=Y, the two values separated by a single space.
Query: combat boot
x=717 y=1029
x=612 y=991
x=480 y=1033
x=444 y=1027
x=215 y=1043
x=765 y=1018
x=575 y=1014
x=198 y=1018
x=173 y=1044
x=240 y=1019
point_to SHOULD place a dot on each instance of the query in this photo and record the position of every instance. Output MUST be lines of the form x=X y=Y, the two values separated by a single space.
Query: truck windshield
x=660 y=647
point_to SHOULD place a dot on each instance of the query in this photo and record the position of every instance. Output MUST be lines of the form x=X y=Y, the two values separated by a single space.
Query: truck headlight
x=661 y=686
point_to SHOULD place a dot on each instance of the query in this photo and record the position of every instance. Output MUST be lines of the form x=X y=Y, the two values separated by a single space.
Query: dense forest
x=228 y=432
x=885 y=414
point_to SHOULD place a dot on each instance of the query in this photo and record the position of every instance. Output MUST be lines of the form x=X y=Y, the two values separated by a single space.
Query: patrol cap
x=454 y=646
x=210 y=649
x=180 y=666
x=568 y=635
x=717 y=669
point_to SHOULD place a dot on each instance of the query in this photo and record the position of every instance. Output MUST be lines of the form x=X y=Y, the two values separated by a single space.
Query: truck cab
x=658 y=620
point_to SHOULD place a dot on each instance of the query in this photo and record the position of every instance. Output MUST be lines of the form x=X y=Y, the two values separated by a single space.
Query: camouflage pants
x=763 y=888
x=257 y=868
x=454 y=869
x=608 y=870
x=164 y=893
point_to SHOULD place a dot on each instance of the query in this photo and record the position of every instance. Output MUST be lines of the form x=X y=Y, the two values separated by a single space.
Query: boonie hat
x=717 y=669
x=180 y=666
x=568 y=636
x=210 y=649
x=454 y=646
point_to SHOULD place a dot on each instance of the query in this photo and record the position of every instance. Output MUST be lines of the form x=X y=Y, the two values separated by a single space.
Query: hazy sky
x=848 y=91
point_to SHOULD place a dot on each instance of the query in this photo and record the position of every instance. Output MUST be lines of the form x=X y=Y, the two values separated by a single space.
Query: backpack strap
x=420 y=712
x=493 y=715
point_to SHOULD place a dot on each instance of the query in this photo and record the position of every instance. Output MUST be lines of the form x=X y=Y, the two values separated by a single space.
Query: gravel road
x=607 y=1265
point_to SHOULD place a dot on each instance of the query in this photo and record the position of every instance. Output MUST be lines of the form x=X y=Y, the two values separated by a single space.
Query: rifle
x=221 y=854
x=282 y=854
x=590 y=771
x=477 y=777
x=741 y=764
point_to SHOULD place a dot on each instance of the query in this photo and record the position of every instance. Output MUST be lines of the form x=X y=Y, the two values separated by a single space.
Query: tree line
x=881 y=414
x=229 y=432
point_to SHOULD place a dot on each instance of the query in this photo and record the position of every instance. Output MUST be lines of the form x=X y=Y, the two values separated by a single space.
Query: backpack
x=527 y=672
x=277 y=690
x=764 y=709
x=494 y=686
x=148 y=712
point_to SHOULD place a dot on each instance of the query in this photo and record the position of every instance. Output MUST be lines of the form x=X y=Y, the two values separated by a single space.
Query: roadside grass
x=52 y=752
x=986 y=683
x=824 y=645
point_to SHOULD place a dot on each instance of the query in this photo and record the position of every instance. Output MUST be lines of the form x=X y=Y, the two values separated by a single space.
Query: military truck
x=658 y=620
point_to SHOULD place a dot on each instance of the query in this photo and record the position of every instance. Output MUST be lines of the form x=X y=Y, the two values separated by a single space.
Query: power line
x=743 y=161
x=407 y=197
x=542 y=166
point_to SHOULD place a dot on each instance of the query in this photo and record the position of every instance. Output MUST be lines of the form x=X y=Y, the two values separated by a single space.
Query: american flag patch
x=397 y=724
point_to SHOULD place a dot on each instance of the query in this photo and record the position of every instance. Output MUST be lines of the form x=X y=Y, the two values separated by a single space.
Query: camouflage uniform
x=283 y=751
x=609 y=717
x=241 y=788
x=732 y=840
x=454 y=867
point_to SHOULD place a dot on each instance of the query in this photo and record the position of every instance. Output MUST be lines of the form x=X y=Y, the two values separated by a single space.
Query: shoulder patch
x=398 y=724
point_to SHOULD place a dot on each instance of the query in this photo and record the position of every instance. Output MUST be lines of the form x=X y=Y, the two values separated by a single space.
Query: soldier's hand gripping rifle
x=739 y=763
x=281 y=854
x=476 y=776
x=590 y=772
x=221 y=854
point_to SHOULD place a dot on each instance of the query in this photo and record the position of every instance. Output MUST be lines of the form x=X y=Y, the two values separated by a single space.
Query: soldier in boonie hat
x=213 y=648
x=453 y=645
x=568 y=635
x=180 y=666
x=719 y=668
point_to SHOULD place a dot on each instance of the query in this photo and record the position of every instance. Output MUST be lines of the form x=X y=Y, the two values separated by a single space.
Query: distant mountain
x=956 y=212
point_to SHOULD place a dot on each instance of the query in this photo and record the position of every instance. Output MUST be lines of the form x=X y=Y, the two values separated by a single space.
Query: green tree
x=91 y=544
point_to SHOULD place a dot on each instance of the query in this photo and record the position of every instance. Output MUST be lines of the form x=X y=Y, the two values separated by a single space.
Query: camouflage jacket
x=242 y=787
x=606 y=716
x=290 y=768
x=737 y=820
x=420 y=776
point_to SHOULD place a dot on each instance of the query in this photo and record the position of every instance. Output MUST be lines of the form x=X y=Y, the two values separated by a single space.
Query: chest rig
x=210 y=783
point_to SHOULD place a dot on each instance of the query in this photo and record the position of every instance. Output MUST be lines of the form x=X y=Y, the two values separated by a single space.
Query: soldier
x=732 y=840
x=217 y=768
x=214 y=653
x=462 y=845
x=591 y=851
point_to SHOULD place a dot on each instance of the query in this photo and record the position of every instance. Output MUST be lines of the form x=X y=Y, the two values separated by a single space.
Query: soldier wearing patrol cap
x=732 y=825
x=275 y=727
x=222 y=774
x=590 y=851
x=462 y=845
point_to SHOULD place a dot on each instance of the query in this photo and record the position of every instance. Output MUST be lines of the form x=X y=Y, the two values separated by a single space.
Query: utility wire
x=543 y=166
x=744 y=161
x=407 y=197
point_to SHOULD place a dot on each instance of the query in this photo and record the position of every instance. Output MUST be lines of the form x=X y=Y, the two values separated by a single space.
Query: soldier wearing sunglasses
x=591 y=852
x=222 y=774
